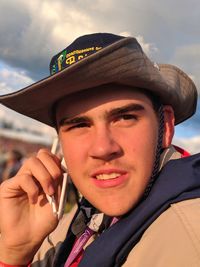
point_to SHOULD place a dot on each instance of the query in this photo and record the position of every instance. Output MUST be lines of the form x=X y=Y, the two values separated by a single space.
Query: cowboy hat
x=102 y=58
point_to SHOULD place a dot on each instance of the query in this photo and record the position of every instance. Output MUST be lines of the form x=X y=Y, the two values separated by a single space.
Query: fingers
x=44 y=170
x=16 y=186
x=24 y=208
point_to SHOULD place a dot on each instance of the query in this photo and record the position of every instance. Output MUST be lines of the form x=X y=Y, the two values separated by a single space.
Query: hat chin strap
x=159 y=150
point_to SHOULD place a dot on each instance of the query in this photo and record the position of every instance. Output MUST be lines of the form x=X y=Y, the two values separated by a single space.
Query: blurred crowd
x=10 y=162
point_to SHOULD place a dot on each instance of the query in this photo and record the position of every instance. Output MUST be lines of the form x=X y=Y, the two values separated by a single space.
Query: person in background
x=114 y=111
x=13 y=162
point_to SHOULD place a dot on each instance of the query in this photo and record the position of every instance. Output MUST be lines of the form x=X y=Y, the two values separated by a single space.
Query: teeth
x=107 y=176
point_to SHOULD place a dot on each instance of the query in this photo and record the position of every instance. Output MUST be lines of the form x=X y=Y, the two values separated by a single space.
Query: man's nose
x=104 y=146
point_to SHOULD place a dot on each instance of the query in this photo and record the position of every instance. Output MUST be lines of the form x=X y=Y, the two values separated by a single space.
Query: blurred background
x=31 y=32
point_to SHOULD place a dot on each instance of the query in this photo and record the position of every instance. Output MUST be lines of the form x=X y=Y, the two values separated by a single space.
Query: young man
x=114 y=111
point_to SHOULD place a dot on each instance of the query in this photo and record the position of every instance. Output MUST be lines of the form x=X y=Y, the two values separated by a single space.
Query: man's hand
x=26 y=217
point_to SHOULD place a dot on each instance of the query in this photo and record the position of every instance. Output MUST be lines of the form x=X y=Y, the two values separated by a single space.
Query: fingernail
x=50 y=190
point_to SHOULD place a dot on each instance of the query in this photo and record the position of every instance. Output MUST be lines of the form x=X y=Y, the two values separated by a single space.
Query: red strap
x=183 y=152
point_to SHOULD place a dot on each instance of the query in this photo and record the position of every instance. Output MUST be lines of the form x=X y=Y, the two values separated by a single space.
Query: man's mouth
x=109 y=178
x=106 y=176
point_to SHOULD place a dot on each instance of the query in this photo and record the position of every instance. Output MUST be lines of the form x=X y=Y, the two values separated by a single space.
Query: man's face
x=109 y=139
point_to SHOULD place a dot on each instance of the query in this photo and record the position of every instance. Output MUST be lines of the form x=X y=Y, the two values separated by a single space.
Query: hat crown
x=81 y=48
x=104 y=58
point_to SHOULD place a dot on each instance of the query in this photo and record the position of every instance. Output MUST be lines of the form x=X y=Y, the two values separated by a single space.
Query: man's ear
x=169 y=121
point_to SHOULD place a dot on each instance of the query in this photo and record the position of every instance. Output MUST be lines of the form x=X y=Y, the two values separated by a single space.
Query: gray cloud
x=188 y=58
x=32 y=31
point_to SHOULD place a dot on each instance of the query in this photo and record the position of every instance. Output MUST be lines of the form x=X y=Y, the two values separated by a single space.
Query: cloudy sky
x=32 y=31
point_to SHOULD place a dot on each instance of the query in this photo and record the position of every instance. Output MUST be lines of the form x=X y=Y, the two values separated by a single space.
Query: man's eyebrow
x=126 y=108
x=73 y=120
x=114 y=112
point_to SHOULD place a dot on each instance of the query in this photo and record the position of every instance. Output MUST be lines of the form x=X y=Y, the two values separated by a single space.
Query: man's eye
x=127 y=117
x=125 y=120
x=79 y=125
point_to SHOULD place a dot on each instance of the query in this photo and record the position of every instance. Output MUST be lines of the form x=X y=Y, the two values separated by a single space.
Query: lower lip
x=120 y=180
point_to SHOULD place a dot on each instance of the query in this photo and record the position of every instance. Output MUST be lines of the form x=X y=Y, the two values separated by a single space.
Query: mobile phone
x=63 y=196
x=55 y=149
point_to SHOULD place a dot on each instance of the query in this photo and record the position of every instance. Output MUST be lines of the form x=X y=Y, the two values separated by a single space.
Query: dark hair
x=154 y=99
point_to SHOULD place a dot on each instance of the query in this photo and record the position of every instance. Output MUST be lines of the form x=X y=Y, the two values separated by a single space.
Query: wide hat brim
x=122 y=62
